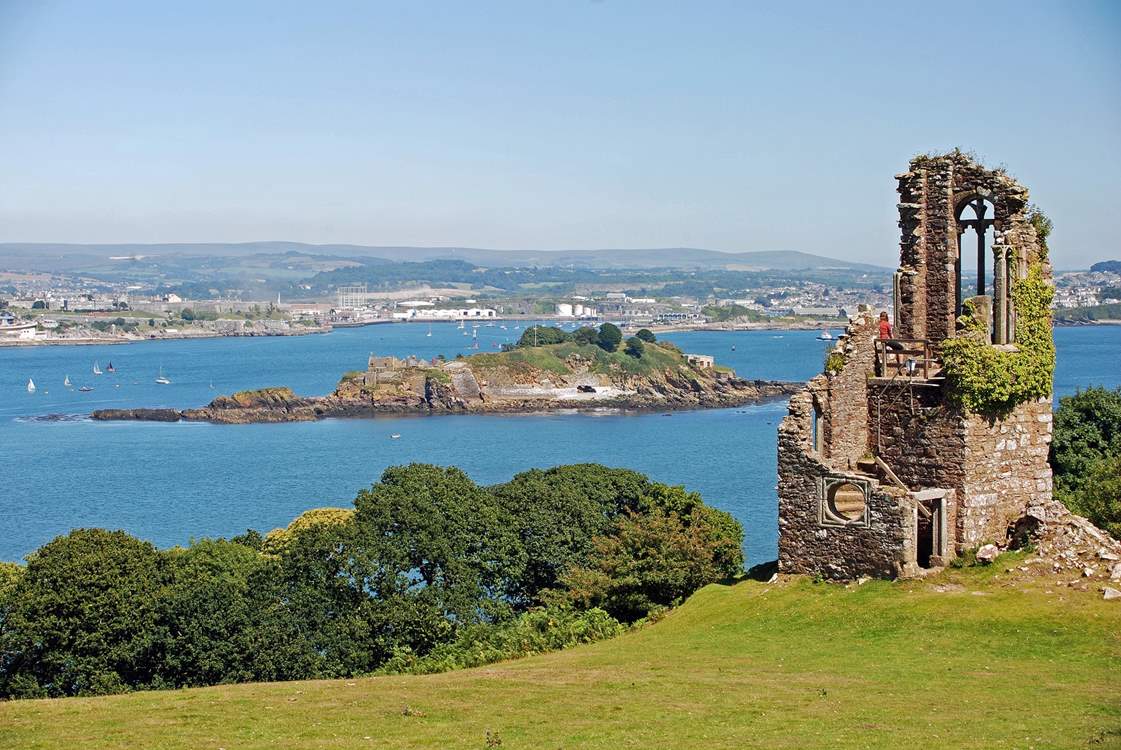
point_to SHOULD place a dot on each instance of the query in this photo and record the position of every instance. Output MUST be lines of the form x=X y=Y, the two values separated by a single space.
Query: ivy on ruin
x=987 y=380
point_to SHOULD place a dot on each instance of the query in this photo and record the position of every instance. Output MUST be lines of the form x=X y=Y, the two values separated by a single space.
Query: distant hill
x=1113 y=266
x=65 y=257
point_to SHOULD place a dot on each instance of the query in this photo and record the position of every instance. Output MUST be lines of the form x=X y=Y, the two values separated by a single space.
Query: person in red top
x=885 y=326
x=885 y=333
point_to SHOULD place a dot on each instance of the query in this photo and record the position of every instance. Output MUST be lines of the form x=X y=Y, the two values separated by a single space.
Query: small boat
x=66 y=381
x=30 y=385
x=429 y=331
x=85 y=389
x=162 y=379
x=825 y=335
x=461 y=322
x=110 y=368
x=211 y=385
x=395 y=436
x=96 y=369
x=733 y=347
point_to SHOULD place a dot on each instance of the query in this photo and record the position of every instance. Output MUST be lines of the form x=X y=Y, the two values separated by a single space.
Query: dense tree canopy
x=428 y=571
x=610 y=337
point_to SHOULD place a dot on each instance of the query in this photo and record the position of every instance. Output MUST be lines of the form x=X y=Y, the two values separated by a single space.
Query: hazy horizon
x=573 y=127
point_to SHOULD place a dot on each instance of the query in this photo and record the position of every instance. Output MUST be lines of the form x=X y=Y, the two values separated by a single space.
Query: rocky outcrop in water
x=492 y=383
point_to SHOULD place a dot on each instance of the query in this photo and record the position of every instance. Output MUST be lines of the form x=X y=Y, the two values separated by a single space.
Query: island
x=547 y=370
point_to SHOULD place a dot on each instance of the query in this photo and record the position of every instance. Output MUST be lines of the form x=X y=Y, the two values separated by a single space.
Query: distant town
x=38 y=307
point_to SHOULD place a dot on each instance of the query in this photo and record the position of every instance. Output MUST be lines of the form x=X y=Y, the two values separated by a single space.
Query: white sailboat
x=461 y=322
x=429 y=330
x=30 y=385
x=825 y=335
x=96 y=369
x=161 y=378
x=66 y=381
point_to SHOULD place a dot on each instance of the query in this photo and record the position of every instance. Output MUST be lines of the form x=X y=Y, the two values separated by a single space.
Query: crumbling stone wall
x=845 y=406
x=931 y=195
x=1005 y=471
x=807 y=546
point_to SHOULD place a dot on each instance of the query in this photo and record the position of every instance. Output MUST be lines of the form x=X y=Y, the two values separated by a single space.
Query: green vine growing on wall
x=986 y=380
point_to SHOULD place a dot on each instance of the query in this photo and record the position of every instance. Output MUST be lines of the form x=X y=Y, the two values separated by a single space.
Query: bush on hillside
x=635 y=348
x=646 y=335
x=610 y=337
x=542 y=336
x=1086 y=456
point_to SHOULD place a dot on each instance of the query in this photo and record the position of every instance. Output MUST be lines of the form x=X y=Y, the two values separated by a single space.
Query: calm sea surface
x=171 y=482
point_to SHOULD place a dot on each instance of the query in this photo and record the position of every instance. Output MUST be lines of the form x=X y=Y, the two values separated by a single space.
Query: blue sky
x=731 y=126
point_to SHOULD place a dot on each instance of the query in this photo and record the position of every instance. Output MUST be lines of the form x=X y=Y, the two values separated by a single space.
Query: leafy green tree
x=83 y=618
x=1098 y=496
x=672 y=545
x=1087 y=428
x=646 y=335
x=585 y=335
x=557 y=512
x=208 y=610
x=430 y=543
x=542 y=336
x=610 y=337
x=635 y=348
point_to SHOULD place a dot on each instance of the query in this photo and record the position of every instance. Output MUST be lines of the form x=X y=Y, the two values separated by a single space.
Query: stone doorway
x=930 y=533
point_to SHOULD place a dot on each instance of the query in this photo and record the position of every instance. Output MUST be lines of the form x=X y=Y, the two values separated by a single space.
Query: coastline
x=118 y=340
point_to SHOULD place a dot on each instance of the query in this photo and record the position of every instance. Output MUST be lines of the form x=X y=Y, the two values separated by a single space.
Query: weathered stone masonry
x=879 y=472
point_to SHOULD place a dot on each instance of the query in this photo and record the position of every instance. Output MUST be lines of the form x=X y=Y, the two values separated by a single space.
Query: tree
x=542 y=336
x=83 y=617
x=556 y=513
x=651 y=559
x=432 y=542
x=1098 y=497
x=39 y=305
x=209 y=614
x=646 y=335
x=1087 y=428
x=609 y=337
x=635 y=347
x=585 y=335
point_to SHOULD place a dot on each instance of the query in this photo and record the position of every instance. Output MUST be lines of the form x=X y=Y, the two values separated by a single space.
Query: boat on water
x=110 y=368
x=395 y=436
x=825 y=335
x=96 y=369
x=85 y=389
x=30 y=385
x=429 y=331
x=162 y=379
x=66 y=381
x=461 y=322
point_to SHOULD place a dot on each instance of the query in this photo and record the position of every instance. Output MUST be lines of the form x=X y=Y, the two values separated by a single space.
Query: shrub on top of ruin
x=1042 y=225
x=834 y=362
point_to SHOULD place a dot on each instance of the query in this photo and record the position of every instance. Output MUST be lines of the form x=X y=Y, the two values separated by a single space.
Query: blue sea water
x=169 y=483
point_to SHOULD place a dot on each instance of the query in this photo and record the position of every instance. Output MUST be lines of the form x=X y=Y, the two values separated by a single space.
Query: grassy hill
x=971 y=658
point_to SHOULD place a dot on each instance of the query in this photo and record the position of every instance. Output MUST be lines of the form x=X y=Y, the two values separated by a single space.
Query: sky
x=731 y=126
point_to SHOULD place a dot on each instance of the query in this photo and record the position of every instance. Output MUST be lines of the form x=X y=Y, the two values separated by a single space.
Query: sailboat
x=66 y=381
x=110 y=368
x=461 y=322
x=96 y=369
x=161 y=378
x=825 y=335
x=475 y=338
x=429 y=330
x=30 y=385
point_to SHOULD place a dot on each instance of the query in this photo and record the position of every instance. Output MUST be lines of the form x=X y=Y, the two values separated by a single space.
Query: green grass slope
x=973 y=658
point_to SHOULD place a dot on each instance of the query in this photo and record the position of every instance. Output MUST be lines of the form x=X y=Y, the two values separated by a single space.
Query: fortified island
x=569 y=375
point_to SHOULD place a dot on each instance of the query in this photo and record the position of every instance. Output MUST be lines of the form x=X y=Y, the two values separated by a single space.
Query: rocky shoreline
x=282 y=405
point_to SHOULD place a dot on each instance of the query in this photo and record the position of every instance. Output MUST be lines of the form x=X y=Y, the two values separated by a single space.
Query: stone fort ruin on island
x=908 y=451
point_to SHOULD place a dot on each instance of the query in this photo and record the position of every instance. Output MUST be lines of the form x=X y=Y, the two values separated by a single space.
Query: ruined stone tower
x=907 y=451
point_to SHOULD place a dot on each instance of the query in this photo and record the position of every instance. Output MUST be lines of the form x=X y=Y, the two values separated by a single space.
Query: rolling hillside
x=971 y=658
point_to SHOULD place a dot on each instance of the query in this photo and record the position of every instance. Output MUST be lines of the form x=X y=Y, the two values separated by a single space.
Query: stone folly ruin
x=908 y=451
